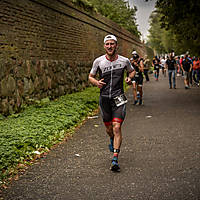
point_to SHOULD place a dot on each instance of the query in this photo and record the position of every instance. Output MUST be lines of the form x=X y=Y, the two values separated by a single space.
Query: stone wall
x=47 y=48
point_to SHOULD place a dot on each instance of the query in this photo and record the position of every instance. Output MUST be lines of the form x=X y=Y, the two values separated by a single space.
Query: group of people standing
x=164 y=64
x=186 y=66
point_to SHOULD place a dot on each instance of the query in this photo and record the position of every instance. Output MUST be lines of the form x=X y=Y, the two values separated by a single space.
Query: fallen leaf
x=37 y=152
x=148 y=116
x=93 y=117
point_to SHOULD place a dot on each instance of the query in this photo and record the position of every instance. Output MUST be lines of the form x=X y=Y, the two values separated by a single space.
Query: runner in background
x=156 y=66
x=137 y=80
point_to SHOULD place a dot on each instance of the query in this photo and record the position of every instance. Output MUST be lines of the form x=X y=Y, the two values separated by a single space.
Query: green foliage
x=179 y=23
x=42 y=125
x=116 y=10
x=150 y=53
x=155 y=37
x=85 y=4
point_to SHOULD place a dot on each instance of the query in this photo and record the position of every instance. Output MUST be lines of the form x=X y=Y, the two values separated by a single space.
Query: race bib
x=136 y=75
x=120 y=100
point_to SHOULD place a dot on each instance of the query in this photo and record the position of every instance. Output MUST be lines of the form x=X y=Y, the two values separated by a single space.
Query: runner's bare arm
x=94 y=81
x=166 y=66
x=129 y=77
x=190 y=67
x=141 y=66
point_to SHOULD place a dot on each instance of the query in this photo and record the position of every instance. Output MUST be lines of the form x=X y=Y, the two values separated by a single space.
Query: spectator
x=171 y=66
x=146 y=67
x=187 y=68
x=196 y=70
x=163 y=62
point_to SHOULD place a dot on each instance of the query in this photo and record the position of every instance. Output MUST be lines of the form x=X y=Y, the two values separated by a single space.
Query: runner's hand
x=100 y=83
x=128 y=80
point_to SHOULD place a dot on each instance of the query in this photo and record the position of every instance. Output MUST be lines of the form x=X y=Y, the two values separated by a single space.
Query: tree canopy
x=118 y=11
x=175 y=25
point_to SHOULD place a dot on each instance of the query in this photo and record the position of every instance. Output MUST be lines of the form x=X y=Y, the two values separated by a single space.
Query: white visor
x=134 y=52
x=110 y=37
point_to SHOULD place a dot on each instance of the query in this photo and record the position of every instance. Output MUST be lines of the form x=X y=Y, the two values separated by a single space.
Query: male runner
x=156 y=66
x=137 y=80
x=111 y=68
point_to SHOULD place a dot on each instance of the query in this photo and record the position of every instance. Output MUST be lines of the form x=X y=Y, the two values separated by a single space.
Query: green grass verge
x=40 y=126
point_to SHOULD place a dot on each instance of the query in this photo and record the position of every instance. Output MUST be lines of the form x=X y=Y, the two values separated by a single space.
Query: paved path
x=160 y=155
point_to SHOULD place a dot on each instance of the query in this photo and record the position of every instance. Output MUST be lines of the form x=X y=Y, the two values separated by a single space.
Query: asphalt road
x=159 y=159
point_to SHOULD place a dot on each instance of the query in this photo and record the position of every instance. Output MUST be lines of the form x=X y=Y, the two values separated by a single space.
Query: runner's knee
x=116 y=128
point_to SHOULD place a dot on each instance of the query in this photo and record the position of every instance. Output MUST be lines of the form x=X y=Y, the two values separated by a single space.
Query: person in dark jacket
x=187 y=68
x=171 y=66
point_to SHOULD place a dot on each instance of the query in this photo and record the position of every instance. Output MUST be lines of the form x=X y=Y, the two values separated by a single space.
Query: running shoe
x=111 y=145
x=115 y=165
x=186 y=87
x=135 y=102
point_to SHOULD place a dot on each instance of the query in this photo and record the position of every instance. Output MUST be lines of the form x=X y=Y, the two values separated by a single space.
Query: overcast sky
x=142 y=14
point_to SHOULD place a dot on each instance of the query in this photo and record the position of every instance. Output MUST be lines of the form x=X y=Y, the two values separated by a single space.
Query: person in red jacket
x=196 y=70
x=181 y=61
